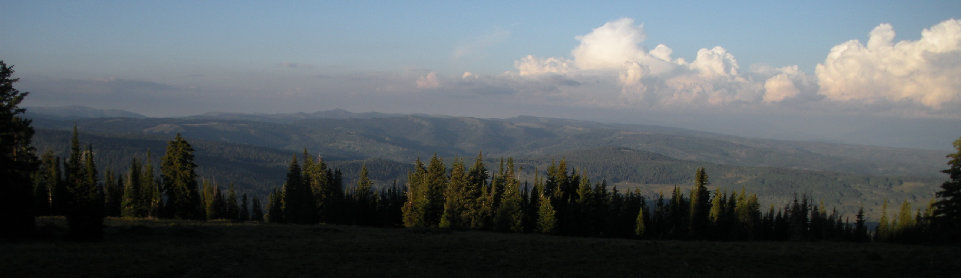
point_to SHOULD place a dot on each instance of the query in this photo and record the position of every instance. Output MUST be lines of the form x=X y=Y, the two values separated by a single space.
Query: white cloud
x=614 y=49
x=428 y=81
x=926 y=71
x=530 y=65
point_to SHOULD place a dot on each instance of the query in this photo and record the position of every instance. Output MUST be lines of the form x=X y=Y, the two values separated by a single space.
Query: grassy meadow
x=165 y=248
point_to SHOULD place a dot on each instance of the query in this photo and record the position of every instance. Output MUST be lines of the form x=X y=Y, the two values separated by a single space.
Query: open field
x=164 y=248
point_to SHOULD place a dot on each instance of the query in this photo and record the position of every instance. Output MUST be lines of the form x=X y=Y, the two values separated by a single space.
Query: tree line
x=562 y=202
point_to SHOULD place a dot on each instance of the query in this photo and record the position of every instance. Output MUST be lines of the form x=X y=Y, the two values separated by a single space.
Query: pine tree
x=232 y=210
x=546 y=216
x=244 y=208
x=639 y=227
x=256 y=212
x=18 y=160
x=113 y=194
x=47 y=180
x=700 y=204
x=298 y=200
x=364 y=198
x=431 y=205
x=179 y=176
x=275 y=207
x=150 y=196
x=131 y=205
x=412 y=214
x=509 y=216
x=883 y=230
x=947 y=210
x=906 y=220
x=85 y=198
x=456 y=206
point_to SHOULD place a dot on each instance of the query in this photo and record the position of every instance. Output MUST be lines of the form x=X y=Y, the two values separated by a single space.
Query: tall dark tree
x=700 y=204
x=47 y=181
x=178 y=172
x=298 y=199
x=457 y=199
x=85 y=199
x=947 y=209
x=244 y=208
x=18 y=159
x=432 y=204
x=231 y=208
x=113 y=194
x=256 y=211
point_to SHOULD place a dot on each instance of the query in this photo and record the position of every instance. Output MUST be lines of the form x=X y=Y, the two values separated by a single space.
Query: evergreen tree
x=412 y=210
x=131 y=205
x=639 y=227
x=546 y=216
x=150 y=196
x=298 y=200
x=244 y=208
x=179 y=176
x=906 y=220
x=18 y=160
x=883 y=230
x=700 y=204
x=232 y=210
x=85 y=198
x=47 y=180
x=431 y=205
x=275 y=207
x=456 y=205
x=256 y=212
x=947 y=210
x=113 y=194
x=509 y=216
x=364 y=199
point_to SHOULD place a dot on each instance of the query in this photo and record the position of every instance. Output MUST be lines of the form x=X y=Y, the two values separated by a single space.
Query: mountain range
x=252 y=151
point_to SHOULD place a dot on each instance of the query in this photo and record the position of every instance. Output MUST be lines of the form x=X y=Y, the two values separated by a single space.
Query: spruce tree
x=244 y=208
x=639 y=227
x=232 y=210
x=150 y=196
x=411 y=212
x=47 y=180
x=431 y=204
x=131 y=204
x=85 y=198
x=456 y=206
x=298 y=200
x=700 y=204
x=546 y=216
x=178 y=172
x=509 y=216
x=883 y=230
x=113 y=194
x=947 y=210
x=256 y=211
x=18 y=160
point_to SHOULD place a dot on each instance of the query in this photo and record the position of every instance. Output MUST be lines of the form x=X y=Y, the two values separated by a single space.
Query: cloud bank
x=926 y=71
x=922 y=74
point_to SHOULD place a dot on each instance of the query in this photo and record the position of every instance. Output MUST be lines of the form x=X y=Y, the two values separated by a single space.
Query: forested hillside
x=252 y=151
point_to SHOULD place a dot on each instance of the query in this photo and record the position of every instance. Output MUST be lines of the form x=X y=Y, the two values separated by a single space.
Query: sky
x=873 y=72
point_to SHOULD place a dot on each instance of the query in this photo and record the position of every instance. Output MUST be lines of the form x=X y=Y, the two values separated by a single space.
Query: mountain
x=78 y=112
x=252 y=150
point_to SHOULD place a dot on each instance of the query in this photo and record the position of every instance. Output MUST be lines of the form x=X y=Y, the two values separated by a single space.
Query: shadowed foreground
x=199 y=249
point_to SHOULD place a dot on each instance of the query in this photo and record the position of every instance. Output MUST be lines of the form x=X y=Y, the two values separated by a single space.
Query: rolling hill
x=251 y=151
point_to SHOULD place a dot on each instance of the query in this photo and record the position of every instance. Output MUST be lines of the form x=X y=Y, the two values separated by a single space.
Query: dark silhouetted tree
x=947 y=209
x=178 y=172
x=18 y=160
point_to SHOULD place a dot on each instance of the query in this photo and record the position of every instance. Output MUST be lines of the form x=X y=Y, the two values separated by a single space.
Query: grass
x=164 y=248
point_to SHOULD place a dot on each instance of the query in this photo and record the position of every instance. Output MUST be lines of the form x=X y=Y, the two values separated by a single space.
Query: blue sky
x=744 y=60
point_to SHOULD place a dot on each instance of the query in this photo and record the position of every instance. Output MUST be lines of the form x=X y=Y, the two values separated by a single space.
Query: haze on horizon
x=872 y=72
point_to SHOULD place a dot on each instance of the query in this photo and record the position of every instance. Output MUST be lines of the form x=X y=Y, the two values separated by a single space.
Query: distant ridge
x=79 y=112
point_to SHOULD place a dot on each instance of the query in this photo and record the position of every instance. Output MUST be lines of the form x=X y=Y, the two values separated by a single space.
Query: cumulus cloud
x=925 y=71
x=428 y=81
x=615 y=49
